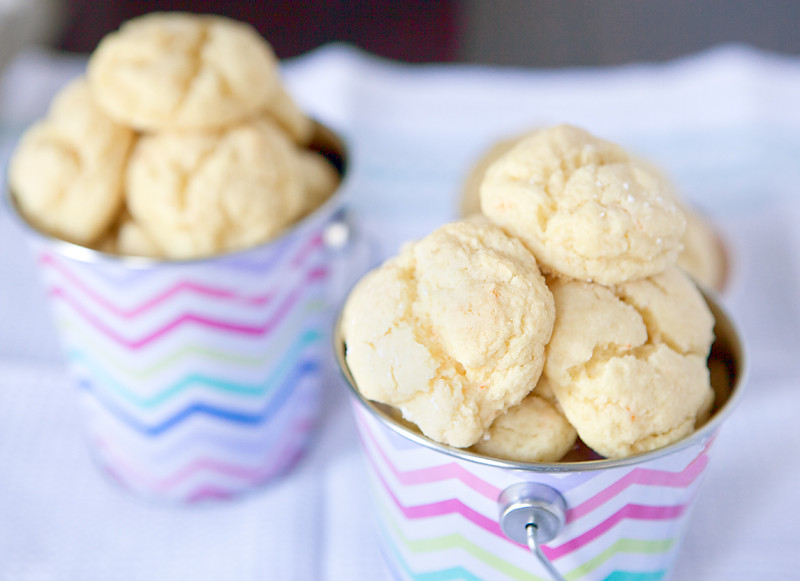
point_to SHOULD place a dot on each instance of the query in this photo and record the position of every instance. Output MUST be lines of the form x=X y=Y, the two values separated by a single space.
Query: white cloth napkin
x=724 y=124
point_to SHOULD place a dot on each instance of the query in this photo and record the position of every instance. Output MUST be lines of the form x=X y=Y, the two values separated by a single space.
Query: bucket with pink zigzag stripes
x=201 y=379
x=439 y=510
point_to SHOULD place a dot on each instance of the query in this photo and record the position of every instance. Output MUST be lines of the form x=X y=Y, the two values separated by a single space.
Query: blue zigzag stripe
x=633 y=576
x=280 y=397
x=195 y=379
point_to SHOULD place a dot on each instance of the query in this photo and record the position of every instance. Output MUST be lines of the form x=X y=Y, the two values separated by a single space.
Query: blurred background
x=532 y=33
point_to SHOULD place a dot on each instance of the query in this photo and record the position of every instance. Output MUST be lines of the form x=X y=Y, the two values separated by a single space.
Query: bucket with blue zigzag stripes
x=200 y=379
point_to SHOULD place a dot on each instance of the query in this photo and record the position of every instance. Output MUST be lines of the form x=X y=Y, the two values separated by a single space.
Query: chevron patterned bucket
x=445 y=513
x=201 y=379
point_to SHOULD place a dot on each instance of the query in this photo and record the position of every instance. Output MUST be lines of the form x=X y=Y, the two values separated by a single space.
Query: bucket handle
x=353 y=252
x=532 y=513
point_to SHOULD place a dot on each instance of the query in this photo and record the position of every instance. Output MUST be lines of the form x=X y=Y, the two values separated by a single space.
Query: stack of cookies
x=557 y=315
x=702 y=254
x=180 y=142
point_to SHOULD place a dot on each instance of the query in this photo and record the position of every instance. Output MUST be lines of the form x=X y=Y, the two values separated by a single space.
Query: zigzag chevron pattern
x=438 y=515
x=274 y=402
x=280 y=368
x=202 y=456
x=200 y=379
x=89 y=314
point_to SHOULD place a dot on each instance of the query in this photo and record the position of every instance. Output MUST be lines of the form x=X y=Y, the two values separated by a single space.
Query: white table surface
x=724 y=124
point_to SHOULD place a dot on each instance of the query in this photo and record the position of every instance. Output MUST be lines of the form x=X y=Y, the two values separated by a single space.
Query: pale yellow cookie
x=584 y=207
x=66 y=172
x=179 y=70
x=294 y=121
x=533 y=431
x=127 y=238
x=703 y=255
x=202 y=193
x=451 y=331
x=108 y=243
x=470 y=201
x=320 y=179
x=133 y=240
x=703 y=252
x=628 y=364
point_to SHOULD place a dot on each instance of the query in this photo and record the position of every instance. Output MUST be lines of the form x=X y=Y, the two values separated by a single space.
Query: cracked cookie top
x=584 y=207
x=627 y=364
x=66 y=172
x=533 y=431
x=185 y=71
x=452 y=330
x=201 y=193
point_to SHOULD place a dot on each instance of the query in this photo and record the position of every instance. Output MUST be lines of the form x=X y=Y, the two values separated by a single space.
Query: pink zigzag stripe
x=433 y=473
x=155 y=300
x=210 y=493
x=251 y=475
x=247 y=476
x=313 y=243
x=455 y=506
x=629 y=511
x=641 y=476
x=47 y=258
x=645 y=477
x=564 y=484
x=223 y=326
x=443 y=508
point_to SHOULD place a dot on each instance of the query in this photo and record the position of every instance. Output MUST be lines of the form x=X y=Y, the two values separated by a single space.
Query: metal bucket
x=201 y=379
x=446 y=513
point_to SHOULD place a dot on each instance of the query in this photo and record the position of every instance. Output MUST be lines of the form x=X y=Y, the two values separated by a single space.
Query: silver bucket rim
x=324 y=140
x=726 y=333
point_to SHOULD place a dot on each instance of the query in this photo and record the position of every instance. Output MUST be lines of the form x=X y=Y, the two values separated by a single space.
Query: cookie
x=66 y=171
x=451 y=331
x=133 y=240
x=470 y=201
x=177 y=70
x=703 y=256
x=584 y=207
x=533 y=431
x=204 y=193
x=127 y=238
x=320 y=179
x=290 y=117
x=627 y=364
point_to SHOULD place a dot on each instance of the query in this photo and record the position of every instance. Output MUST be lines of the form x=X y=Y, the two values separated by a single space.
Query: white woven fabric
x=725 y=124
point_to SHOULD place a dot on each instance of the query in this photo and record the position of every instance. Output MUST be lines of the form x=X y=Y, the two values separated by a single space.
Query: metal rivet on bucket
x=532 y=513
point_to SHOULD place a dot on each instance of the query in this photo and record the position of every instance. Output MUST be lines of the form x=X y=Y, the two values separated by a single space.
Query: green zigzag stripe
x=457 y=541
x=637 y=546
x=190 y=350
x=285 y=365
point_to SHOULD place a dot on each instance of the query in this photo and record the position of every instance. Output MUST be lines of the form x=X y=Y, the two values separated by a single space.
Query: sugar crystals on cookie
x=584 y=207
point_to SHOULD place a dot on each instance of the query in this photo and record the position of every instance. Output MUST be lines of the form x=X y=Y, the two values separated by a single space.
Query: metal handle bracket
x=532 y=513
